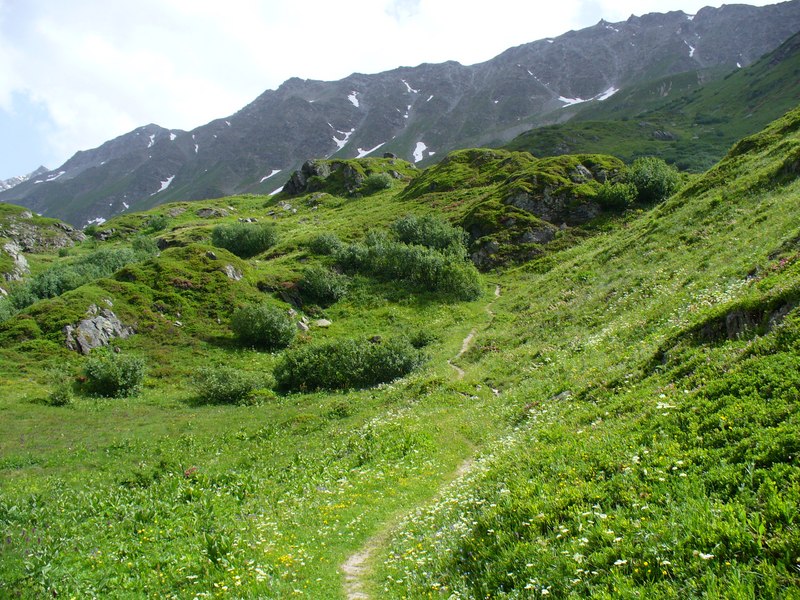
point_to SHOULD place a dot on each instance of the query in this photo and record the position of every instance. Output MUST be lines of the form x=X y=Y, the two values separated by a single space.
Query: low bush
x=63 y=277
x=112 y=374
x=263 y=326
x=376 y=182
x=431 y=232
x=322 y=286
x=326 y=244
x=226 y=385
x=244 y=239
x=61 y=383
x=431 y=268
x=345 y=364
x=654 y=179
x=616 y=196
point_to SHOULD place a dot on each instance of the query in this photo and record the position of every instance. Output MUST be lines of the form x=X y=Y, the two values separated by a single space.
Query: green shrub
x=263 y=326
x=226 y=385
x=61 y=393
x=376 y=182
x=431 y=232
x=326 y=244
x=157 y=223
x=113 y=375
x=616 y=196
x=322 y=286
x=654 y=179
x=244 y=239
x=427 y=268
x=344 y=364
x=63 y=277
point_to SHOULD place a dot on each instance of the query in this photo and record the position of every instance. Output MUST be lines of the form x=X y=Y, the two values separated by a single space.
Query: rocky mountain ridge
x=417 y=113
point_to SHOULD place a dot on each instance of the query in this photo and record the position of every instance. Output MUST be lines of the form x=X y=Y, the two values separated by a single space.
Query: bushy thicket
x=616 y=196
x=244 y=239
x=63 y=277
x=113 y=375
x=344 y=364
x=263 y=326
x=431 y=232
x=226 y=385
x=654 y=179
x=426 y=252
x=376 y=182
x=326 y=244
x=322 y=286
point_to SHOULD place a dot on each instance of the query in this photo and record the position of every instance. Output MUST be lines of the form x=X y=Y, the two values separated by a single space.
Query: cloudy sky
x=75 y=74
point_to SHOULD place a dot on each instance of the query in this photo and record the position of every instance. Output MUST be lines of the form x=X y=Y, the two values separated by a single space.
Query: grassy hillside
x=679 y=118
x=612 y=415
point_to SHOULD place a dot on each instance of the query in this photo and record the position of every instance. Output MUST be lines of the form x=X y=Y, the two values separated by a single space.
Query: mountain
x=615 y=415
x=679 y=118
x=417 y=113
x=7 y=184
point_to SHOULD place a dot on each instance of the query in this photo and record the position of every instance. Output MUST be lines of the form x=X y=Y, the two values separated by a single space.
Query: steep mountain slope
x=416 y=113
x=679 y=118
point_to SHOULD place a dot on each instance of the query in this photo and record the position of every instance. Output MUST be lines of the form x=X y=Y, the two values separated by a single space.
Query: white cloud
x=103 y=68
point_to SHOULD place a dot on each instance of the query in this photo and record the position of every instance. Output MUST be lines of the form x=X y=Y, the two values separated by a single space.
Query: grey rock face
x=410 y=112
x=20 y=262
x=99 y=328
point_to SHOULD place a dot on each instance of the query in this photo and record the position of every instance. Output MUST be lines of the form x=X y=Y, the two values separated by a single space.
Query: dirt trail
x=467 y=342
x=356 y=567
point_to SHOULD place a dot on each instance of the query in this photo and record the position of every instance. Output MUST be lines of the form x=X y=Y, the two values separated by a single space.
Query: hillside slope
x=680 y=118
x=622 y=421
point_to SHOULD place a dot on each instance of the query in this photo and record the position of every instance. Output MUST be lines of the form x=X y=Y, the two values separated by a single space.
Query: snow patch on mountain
x=342 y=142
x=419 y=151
x=570 y=101
x=274 y=172
x=363 y=153
x=607 y=94
x=164 y=185
x=409 y=88
x=172 y=136
x=691 y=48
x=152 y=140
x=278 y=191
x=353 y=97
x=97 y=221
x=429 y=98
x=54 y=177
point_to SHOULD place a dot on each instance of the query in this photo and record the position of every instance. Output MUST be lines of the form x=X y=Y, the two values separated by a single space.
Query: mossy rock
x=345 y=177
x=471 y=168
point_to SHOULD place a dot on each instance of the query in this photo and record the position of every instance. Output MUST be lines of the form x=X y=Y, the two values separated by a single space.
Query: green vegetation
x=244 y=239
x=610 y=410
x=263 y=326
x=345 y=364
x=684 y=119
x=226 y=385
x=111 y=374
x=322 y=286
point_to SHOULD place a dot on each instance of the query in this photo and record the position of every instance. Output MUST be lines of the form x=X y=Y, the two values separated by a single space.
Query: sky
x=75 y=74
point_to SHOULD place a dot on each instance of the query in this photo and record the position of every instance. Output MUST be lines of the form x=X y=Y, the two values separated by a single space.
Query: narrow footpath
x=356 y=567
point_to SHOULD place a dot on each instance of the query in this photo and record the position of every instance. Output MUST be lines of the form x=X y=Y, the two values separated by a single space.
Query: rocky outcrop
x=34 y=234
x=20 y=268
x=99 y=328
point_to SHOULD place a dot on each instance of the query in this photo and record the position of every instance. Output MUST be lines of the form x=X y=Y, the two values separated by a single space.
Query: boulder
x=233 y=273
x=322 y=323
x=211 y=213
x=99 y=328
x=20 y=262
